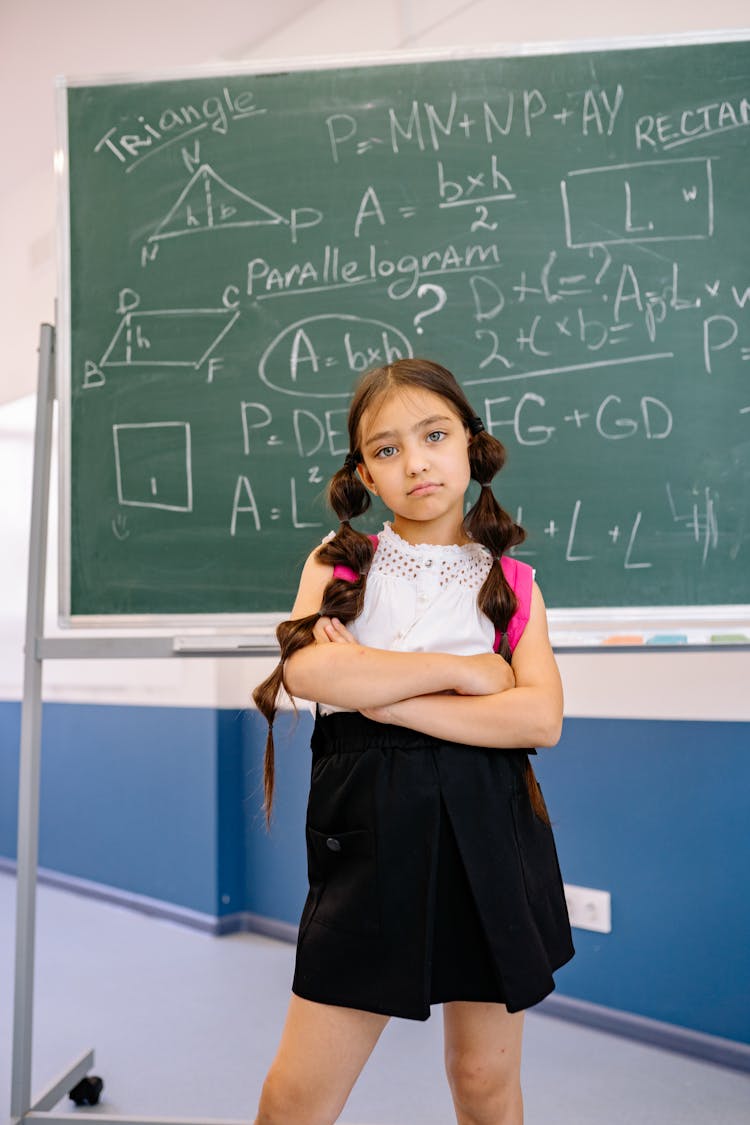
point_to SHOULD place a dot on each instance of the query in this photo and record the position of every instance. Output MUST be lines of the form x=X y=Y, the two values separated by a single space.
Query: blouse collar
x=430 y=548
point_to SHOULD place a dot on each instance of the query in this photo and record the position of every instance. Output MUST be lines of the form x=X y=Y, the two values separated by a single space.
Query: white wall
x=40 y=39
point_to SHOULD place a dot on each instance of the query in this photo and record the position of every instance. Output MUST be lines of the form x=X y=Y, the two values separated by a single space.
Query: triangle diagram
x=207 y=203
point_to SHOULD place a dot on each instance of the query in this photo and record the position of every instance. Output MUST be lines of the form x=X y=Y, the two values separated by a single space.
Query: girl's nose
x=416 y=461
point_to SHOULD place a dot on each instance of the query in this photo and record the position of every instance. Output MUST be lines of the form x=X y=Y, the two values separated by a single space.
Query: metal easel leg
x=31 y=721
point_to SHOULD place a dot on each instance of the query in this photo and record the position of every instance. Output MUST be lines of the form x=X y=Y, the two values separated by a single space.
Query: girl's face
x=415 y=450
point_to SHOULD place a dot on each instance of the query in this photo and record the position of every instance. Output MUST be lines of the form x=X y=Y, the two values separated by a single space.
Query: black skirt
x=431 y=877
x=462 y=966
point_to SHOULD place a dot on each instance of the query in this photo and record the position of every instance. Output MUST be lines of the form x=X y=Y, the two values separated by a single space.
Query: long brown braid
x=486 y=522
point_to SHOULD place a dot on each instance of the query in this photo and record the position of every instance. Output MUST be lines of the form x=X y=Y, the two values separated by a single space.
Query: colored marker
x=729 y=639
x=632 y=639
x=668 y=639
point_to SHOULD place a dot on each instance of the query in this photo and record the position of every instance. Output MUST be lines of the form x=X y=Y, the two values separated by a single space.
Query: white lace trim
x=466 y=565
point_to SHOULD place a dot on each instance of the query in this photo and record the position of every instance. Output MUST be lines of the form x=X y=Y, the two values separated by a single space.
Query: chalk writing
x=566 y=232
x=207 y=203
x=621 y=199
x=298 y=362
x=153 y=465
x=132 y=141
x=157 y=338
x=664 y=131
x=403 y=274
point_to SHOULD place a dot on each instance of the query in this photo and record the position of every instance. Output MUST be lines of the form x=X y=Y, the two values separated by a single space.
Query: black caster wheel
x=87 y=1091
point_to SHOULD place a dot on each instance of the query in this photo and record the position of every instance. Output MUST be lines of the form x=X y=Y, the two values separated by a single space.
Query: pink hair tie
x=345 y=572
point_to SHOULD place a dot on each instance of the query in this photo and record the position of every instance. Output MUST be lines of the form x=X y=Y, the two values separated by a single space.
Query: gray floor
x=185 y=1025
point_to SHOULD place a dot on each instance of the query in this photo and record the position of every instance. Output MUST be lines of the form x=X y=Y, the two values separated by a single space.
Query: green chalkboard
x=567 y=232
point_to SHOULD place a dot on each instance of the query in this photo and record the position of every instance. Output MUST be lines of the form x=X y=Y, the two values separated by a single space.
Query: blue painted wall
x=166 y=802
x=128 y=797
x=276 y=861
x=656 y=813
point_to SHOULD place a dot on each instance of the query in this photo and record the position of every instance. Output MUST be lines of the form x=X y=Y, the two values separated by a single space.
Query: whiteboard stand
x=23 y=1109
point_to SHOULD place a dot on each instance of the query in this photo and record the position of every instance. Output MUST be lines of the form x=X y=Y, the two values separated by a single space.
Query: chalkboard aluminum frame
x=577 y=628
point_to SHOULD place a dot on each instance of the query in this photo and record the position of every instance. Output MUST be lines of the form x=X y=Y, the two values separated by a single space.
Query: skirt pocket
x=342 y=868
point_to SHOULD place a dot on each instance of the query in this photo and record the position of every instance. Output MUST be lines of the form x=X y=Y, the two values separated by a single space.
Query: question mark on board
x=441 y=296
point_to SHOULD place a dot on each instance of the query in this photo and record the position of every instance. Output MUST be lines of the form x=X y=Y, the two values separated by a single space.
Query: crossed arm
x=501 y=705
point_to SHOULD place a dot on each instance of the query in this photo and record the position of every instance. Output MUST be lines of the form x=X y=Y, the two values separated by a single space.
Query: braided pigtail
x=291 y=635
x=349 y=498
x=489 y=524
x=343 y=599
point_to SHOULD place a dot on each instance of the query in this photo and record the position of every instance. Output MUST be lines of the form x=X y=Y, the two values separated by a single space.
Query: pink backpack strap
x=346 y=572
x=520 y=577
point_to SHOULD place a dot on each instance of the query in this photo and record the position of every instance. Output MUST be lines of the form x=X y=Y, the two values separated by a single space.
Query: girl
x=432 y=867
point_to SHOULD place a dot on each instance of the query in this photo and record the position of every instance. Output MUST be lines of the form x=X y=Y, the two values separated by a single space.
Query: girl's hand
x=485 y=674
x=329 y=630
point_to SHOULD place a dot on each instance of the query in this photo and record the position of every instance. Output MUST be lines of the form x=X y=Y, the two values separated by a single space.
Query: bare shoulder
x=533 y=658
x=537 y=613
x=313 y=581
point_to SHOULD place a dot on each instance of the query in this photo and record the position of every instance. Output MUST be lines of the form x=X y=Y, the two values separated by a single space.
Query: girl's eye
x=436 y=435
x=386 y=451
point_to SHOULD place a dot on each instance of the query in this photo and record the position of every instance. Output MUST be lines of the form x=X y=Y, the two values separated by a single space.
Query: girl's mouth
x=424 y=489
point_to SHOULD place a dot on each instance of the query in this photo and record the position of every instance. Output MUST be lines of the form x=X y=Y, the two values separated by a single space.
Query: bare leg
x=483 y=1062
x=322 y=1051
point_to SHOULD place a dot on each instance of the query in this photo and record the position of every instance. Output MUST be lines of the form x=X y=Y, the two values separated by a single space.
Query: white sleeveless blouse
x=423 y=598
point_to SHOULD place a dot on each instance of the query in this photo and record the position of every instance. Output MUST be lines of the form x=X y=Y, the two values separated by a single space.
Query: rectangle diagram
x=153 y=465
x=653 y=201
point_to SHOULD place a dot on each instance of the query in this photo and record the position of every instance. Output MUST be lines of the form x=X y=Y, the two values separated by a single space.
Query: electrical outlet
x=589 y=909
